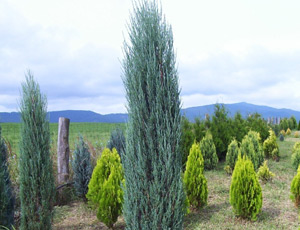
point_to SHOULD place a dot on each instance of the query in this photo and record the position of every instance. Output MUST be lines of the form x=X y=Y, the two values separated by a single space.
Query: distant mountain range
x=191 y=113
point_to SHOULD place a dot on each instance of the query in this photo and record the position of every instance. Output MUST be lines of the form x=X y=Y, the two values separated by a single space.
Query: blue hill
x=191 y=113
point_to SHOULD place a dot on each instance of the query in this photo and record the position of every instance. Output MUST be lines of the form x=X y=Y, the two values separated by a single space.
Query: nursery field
x=97 y=134
x=278 y=211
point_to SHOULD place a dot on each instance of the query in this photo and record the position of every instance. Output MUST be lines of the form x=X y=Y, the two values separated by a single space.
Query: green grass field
x=95 y=133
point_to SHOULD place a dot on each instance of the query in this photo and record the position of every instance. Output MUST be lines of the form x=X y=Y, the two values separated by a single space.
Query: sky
x=227 y=51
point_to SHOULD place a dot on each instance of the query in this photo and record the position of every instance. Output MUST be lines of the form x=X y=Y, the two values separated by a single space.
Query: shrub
x=264 y=173
x=36 y=176
x=296 y=157
x=228 y=170
x=298 y=128
x=6 y=191
x=295 y=188
x=154 y=195
x=245 y=190
x=296 y=134
x=232 y=154
x=194 y=179
x=208 y=151
x=283 y=133
x=82 y=167
x=288 y=131
x=296 y=146
x=251 y=147
x=105 y=191
x=281 y=137
x=117 y=140
x=270 y=146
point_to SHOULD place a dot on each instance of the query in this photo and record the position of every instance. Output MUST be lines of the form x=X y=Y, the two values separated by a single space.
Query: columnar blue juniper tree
x=36 y=175
x=82 y=167
x=6 y=193
x=154 y=196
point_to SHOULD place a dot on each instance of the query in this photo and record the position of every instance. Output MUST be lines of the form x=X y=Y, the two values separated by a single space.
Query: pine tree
x=245 y=190
x=194 y=179
x=208 y=151
x=82 y=167
x=154 y=196
x=7 y=200
x=36 y=175
x=221 y=130
x=105 y=191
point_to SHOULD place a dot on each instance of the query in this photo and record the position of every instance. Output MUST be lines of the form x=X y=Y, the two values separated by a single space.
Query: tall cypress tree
x=153 y=196
x=7 y=200
x=36 y=175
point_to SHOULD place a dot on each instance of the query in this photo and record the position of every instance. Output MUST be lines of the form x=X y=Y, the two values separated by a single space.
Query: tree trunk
x=63 y=150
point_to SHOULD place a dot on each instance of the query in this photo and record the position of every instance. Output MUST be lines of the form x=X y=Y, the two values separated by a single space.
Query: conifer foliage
x=194 y=180
x=6 y=193
x=82 y=167
x=232 y=154
x=35 y=165
x=245 y=190
x=154 y=196
x=105 y=191
x=295 y=188
x=270 y=146
x=117 y=140
x=252 y=147
x=208 y=151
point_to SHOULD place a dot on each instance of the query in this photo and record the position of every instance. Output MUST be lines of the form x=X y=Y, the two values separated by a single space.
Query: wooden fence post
x=63 y=151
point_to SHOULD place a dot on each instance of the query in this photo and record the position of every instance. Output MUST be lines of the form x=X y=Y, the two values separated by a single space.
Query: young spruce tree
x=36 y=175
x=154 y=196
x=6 y=193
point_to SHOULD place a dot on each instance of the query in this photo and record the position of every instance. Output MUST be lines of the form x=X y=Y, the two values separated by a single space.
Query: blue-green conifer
x=6 y=191
x=36 y=176
x=154 y=196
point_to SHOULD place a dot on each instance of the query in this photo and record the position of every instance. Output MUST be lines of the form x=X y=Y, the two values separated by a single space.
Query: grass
x=96 y=133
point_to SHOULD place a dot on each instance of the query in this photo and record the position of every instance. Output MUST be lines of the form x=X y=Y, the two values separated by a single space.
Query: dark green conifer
x=154 y=196
x=36 y=175
x=82 y=167
x=208 y=151
x=6 y=193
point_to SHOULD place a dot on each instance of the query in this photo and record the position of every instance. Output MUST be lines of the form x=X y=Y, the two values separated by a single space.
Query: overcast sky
x=227 y=51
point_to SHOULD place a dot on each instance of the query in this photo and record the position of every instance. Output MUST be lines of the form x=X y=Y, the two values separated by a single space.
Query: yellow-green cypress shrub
x=270 y=146
x=105 y=191
x=295 y=188
x=194 y=180
x=296 y=155
x=245 y=190
x=252 y=147
x=264 y=173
